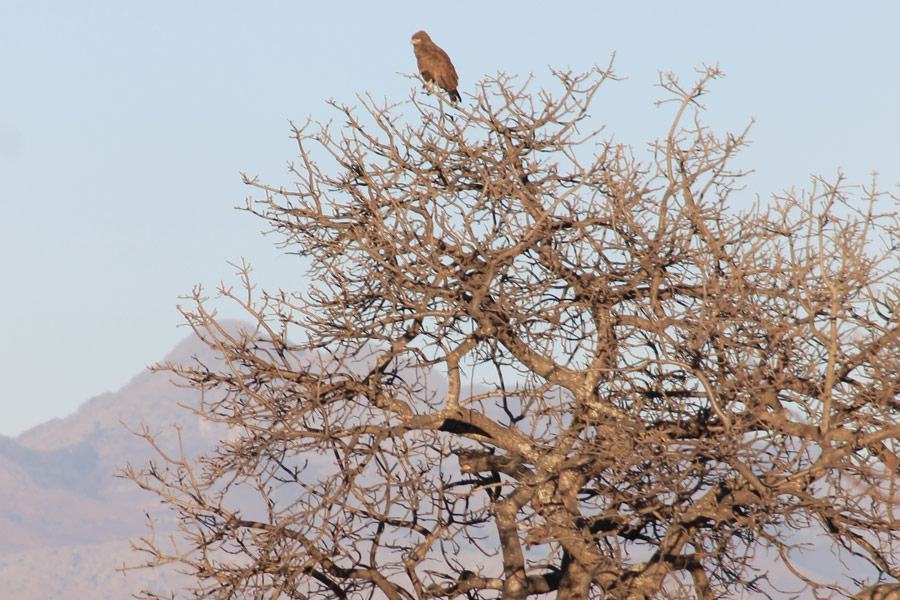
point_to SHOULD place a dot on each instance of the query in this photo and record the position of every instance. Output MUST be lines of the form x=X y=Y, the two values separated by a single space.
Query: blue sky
x=123 y=127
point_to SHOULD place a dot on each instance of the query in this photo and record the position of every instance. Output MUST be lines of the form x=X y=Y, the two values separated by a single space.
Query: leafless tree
x=531 y=360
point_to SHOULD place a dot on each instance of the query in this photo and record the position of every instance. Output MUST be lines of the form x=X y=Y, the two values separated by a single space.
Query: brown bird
x=434 y=64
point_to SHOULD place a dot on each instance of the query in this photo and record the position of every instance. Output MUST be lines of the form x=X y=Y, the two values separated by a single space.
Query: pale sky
x=123 y=126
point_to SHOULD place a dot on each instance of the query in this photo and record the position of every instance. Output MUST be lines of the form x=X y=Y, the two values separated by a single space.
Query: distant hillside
x=78 y=572
x=66 y=520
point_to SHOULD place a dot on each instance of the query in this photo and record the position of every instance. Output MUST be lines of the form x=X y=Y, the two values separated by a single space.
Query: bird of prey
x=434 y=64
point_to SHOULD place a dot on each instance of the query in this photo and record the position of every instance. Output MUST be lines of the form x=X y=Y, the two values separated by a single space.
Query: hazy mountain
x=65 y=518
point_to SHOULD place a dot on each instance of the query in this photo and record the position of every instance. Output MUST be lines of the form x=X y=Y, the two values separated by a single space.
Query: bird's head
x=419 y=37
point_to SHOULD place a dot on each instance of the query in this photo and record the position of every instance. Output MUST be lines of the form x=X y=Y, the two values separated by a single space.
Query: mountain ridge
x=65 y=515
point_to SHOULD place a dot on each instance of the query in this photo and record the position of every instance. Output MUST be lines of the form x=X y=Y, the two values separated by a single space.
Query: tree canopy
x=531 y=360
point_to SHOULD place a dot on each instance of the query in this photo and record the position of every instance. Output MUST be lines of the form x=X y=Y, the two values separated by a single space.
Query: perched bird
x=434 y=64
